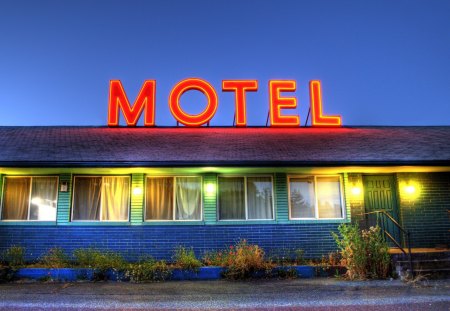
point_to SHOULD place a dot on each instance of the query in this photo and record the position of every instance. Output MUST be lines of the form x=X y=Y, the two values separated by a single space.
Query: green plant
x=148 y=270
x=244 y=259
x=14 y=256
x=185 y=259
x=288 y=257
x=364 y=253
x=55 y=258
x=100 y=261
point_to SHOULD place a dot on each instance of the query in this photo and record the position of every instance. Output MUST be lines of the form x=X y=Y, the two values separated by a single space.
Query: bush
x=364 y=253
x=100 y=261
x=215 y=258
x=55 y=258
x=185 y=259
x=244 y=259
x=14 y=256
x=148 y=270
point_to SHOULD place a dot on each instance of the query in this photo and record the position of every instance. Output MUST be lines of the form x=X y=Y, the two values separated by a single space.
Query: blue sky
x=380 y=62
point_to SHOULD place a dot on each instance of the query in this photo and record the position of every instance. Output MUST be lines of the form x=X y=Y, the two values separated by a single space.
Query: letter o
x=193 y=84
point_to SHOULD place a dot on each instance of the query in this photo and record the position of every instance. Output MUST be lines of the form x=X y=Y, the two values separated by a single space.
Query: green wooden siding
x=345 y=196
x=210 y=199
x=281 y=198
x=137 y=201
x=64 y=200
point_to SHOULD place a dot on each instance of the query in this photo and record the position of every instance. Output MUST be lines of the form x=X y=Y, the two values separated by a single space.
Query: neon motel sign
x=145 y=103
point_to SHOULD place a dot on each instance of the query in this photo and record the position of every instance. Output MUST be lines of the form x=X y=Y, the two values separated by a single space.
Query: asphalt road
x=300 y=294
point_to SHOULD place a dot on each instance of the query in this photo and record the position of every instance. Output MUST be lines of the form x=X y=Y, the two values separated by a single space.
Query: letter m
x=119 y=100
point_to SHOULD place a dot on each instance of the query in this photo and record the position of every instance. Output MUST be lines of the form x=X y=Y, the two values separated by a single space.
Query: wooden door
x=380 y=195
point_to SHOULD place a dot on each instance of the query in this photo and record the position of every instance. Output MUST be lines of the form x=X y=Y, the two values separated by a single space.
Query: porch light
x=210 y=188
x=137 y=191
x=356 y=191
x=410 y=189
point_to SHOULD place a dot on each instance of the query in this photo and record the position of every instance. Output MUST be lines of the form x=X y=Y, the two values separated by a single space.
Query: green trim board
x=210 y=199
x=64 y=200
x=281 y=198
x=137 y=200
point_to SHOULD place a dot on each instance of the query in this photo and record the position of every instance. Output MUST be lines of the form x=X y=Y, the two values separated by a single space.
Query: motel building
x=147 y=189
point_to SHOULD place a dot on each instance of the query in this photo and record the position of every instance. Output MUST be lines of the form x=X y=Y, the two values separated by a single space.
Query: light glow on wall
x=210 y=188
x=137 y=191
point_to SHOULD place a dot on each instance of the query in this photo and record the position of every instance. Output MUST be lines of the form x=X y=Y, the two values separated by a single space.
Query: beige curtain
x=231 y=198
x=43 y=198
x=87 y=198
x=159 y=202
x=116 y=197
x=188 y=198
x=259 y=198
x=16 y=198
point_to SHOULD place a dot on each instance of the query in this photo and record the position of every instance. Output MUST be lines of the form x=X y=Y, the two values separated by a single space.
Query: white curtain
x=231 y=198
x=87 y=198
x=188 y=198
x=116 y=196
x=259 y=198
x=329 y=197
x=159 y=202
x=302 y=197
x=16 y=198
x=43 y=198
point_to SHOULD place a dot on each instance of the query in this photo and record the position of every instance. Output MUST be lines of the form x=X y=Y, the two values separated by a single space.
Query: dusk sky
x=380 y=62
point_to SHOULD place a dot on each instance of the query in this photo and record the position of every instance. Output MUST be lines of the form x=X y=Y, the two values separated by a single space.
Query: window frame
x=316 y=204
x=174 y=197
x=245 y=197
x=101 y=200
x=4 y=177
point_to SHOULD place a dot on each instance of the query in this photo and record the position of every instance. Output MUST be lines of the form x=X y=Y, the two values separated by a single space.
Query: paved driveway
x=314 y=294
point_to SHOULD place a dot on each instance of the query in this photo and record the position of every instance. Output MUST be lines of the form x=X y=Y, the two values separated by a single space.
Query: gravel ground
x=298 y=294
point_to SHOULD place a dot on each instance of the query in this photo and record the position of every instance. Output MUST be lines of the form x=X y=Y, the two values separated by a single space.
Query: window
x=173 y=198
x=101 y=198
x=315 y=197
x=30 y=198
x=245 y=198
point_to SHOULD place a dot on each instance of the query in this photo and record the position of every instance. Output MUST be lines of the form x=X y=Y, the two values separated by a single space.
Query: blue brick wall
x=426 y=216
x=159 y=241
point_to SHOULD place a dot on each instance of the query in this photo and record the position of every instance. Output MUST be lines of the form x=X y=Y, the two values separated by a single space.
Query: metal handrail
x=387 y=234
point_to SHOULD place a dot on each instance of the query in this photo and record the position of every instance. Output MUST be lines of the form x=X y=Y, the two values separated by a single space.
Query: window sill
x=27 y=223
x=319 y=221
x=174 y=223
x=98 y=223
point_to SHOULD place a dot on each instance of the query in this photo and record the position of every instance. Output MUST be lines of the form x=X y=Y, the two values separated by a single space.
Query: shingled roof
x=222 y=146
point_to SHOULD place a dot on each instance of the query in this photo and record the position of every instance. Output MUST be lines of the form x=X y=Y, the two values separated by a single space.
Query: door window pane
x=329 y=197
x=159 y=200
x=231 y=198
x=259 y=198
x=188 y=198
x=302 y=197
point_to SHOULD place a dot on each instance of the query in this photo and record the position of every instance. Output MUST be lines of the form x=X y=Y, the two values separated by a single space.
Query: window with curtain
x=101 y=198
x=245 y=198
x=30 y=198
x=315 y=197
x=173 y=198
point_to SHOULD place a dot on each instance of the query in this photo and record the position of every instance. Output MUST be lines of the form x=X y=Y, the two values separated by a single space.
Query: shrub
x=244 y=259
x=147 y=270
x=364 y=253
x=185 y=259
x=55 y=258
x=100 y=261
x=14 y=256
x=215 y=258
